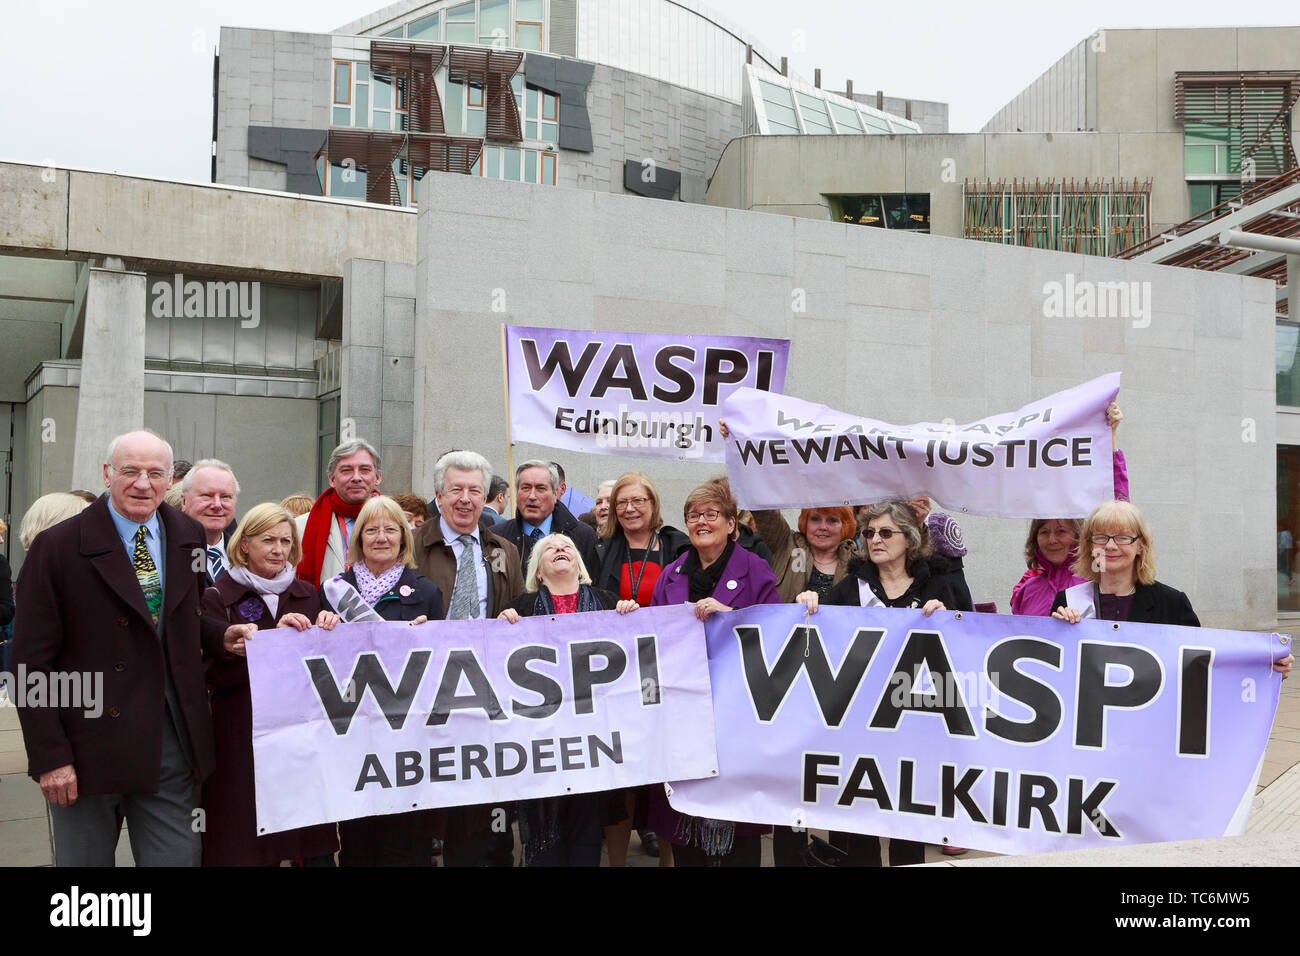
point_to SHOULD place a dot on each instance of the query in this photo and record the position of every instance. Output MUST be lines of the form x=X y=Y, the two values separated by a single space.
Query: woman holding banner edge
x=715 y=574
x=563 y=831
x=381 y=570
x=895 y=573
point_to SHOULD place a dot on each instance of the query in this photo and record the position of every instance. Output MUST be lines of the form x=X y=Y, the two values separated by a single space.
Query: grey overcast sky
x=126 y=85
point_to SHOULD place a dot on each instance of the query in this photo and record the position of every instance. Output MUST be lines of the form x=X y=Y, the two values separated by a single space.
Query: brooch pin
x=406 y=590
x=251 y=610
x=731 y=585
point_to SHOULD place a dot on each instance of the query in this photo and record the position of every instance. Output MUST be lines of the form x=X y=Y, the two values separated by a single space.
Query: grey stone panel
x=662 y=185
x=295 y=148
x=569 y=80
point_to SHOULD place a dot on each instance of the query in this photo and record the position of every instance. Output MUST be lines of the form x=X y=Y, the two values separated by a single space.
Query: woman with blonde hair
x=563 y=831
x=47 y=511
x=259 y=587
x=297 y=504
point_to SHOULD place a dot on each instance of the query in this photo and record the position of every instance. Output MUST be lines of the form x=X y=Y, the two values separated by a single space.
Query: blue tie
x=216 y=567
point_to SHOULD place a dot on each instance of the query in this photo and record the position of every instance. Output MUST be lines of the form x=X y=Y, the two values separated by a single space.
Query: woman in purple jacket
x=1053 y=544
x=715 y=575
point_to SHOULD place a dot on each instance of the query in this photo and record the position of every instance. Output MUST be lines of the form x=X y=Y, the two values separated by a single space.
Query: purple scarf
x=372 y=588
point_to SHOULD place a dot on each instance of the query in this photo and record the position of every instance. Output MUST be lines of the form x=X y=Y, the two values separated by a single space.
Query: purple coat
x=746 y=580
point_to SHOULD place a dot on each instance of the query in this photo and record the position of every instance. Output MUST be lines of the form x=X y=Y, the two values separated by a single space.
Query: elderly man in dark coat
x=539 y=513
x=112 y=595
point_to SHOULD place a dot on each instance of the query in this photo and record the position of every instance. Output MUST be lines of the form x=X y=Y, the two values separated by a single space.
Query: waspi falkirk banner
x=653 y=396
x=375 y=718
x=1052 y=457
x=1010 y=734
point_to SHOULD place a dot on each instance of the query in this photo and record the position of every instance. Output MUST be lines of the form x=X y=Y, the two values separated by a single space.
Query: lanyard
x=636 y=585
x=343 y=530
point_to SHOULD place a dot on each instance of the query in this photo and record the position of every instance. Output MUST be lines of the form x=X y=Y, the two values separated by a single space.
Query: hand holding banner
x=1052 y=457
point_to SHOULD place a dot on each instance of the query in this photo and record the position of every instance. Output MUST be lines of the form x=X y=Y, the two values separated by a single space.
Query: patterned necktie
x=216 y=567
x=533 y=538
x=464 y=594
x=146 y=572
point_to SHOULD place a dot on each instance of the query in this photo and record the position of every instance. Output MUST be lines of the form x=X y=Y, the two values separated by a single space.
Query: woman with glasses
x=1053 y=544
x=563 y=831
x=634 y=547
x=715 y=574
x=895 y=573
x=381 y=569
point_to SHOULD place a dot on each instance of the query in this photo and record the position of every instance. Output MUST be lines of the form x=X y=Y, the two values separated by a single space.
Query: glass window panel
x=492 y=162
x=517 y=84
x=1199 y=159
x=463 y=12
x=846 y=119
x=1200 y=198
x=494 y=21
x=460 y=32
x=779 y=108
x=813 y=110
x=475 y=122
x=379 y=119
x=876 y=124
x=395 y=33
x=530 y=129
x=454 y=106
x=474 y=95
x=340 y=186
x=363 y=105
x=548 y=168
x=342 y=116
x=511 y=157
x=531 y=100
x=425 y=28
x=342 y=82
x=475 y=169
x=550 y=106
x=528 y=9
x=383 y=93
x=320 y=171
x=363 y=73
x=528 y=36
x=550 y=132
x=530 y=165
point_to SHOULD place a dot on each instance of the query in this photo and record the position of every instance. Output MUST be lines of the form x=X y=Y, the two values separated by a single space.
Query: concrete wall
x=901 y=327
x=1056 y=101
x=793 y=175
x=377 y=362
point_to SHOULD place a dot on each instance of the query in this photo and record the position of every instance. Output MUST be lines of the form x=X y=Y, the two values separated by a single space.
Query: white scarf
x=269 y=588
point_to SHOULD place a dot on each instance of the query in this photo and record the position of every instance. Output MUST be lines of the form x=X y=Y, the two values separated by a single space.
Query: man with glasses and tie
x=208 y=495
x=112 y=595
x=478 y=574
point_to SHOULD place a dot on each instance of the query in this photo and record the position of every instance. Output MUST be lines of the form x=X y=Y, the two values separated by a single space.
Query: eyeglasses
x=633 y=504
x=133 y=474
x=885 y=533
x=695 y=517
x=1105 y=539
x=374 y=532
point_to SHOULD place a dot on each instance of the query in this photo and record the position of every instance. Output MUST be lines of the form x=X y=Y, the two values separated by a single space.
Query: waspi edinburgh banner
x=1052 y=457
x=653 y=396
x=370 y=718
x=1009 y=734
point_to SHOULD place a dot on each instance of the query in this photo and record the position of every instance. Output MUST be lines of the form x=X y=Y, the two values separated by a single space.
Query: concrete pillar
x=1293 y=288
x=817 y=77
x=111 y=398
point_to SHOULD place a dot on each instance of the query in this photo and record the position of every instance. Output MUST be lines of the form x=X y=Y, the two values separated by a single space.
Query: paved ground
x=25 y=826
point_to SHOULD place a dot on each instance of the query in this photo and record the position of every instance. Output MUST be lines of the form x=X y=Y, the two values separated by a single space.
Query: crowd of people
x=111 y=585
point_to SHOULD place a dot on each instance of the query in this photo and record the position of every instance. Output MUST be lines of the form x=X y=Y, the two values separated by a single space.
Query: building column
x=111 y=398
x=1293 y=288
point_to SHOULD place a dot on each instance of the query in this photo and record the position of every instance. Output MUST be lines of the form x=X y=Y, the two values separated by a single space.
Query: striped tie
x=216 y=567
x=464 y=594
x=146 y=572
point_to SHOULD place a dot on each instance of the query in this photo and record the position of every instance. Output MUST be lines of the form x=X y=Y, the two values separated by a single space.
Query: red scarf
x=316 y=535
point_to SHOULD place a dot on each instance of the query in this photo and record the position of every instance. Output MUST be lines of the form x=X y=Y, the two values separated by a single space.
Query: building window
x=460 y=24
x=846 y=120
x=779 y=107
x=343 y=83
x=548 y=169
x=813 y=111
x=1204 y=196
x=1095 y=218
x=425 y=28
x=474 y=95
x=906 y=211
x=1209 y=149
x=1288 y=527
x=494 y=23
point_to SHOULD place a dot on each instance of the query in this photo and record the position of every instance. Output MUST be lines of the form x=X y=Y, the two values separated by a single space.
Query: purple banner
x=1009 y=734
x=382 y=718
x=652 y=396
x=1051 y=457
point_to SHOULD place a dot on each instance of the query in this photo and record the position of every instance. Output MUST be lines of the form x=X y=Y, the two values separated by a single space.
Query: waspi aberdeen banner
x=1051 y=457
x=1008 y=734
x=376 y=718
x=653 y=396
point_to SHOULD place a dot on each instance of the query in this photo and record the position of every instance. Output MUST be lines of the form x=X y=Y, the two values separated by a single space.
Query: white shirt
x=452 y=537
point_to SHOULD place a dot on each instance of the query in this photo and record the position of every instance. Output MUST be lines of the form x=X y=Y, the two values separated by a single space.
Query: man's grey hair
x=188 y=480
x=350 y=448
x=112 y=446
x=462 y=461
x=538 y=463
x=606 y=484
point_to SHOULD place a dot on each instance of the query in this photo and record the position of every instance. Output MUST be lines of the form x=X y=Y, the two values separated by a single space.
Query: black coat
x=749 y=540
x=562 y=522
x=1154 y=603
x=951 y=572
x=526 y=602
x=424 y=598
x=925 y=587
x=613 y=554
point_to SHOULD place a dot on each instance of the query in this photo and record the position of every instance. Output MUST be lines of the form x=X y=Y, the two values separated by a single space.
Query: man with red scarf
x=324 y=531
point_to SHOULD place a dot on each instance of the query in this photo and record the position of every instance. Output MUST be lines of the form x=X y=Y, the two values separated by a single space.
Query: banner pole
x=505 y=388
